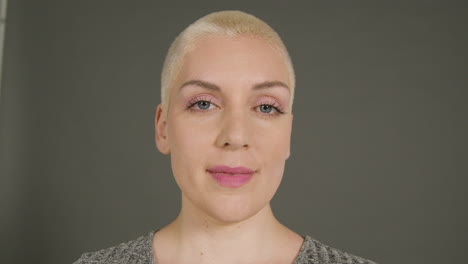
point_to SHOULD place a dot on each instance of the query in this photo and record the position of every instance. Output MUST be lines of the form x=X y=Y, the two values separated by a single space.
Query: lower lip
x=231 y=180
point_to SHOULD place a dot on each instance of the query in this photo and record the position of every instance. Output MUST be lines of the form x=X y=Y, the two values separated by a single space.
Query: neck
x=194 y=233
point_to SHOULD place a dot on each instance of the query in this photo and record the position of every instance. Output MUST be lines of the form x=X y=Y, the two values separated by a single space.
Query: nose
x=234 y=131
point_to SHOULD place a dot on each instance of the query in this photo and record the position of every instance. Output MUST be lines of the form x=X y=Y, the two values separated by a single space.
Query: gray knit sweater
x=139 y=251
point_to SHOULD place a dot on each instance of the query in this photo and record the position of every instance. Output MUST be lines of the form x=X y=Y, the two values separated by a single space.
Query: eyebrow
x=214 y=87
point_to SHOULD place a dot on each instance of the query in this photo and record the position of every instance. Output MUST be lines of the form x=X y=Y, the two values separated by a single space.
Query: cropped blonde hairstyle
x=223 y=23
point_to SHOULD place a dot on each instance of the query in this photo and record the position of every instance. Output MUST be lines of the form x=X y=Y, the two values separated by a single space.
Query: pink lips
x=231 y=177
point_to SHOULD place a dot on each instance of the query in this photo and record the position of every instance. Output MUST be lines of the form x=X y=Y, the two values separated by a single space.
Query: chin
x=230 y=211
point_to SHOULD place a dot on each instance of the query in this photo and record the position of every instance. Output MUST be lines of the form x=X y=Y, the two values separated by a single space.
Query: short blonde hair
x=223 y=23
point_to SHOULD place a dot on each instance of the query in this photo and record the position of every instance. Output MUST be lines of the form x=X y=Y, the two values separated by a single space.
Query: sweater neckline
x=149 y=246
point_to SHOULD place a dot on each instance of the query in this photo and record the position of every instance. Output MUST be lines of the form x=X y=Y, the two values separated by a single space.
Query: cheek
x=190 y=137
x=273 y=148
x=275 y=143
x=274 y=153
x=189 y=144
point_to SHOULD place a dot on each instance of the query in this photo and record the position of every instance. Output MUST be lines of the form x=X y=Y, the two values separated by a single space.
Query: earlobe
x=160 y=125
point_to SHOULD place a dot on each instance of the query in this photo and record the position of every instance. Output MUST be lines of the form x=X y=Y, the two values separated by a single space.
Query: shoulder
x=316 y=252
x=135 y=252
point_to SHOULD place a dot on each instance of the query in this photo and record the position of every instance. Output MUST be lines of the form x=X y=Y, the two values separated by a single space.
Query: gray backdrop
x=379 y=145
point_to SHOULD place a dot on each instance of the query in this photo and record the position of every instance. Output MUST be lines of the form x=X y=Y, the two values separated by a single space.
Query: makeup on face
x=203 y=96
x=231 y=177
x=229 y=141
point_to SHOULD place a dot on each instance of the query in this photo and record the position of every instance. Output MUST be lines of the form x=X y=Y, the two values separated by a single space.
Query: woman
x=226 y=120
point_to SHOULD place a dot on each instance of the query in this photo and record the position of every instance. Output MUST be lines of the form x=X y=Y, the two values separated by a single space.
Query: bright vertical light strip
x=3 y=14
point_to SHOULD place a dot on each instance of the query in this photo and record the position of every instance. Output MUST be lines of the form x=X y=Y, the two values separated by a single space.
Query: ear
x=160 y=125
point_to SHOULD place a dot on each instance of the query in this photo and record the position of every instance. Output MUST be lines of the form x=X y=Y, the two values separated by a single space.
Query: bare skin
x=259 y=239
x=219 y=224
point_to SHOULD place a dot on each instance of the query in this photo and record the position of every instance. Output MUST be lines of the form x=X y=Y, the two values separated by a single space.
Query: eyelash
x=194 y=101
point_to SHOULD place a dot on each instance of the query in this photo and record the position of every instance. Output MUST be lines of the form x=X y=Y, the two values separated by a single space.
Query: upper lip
x=227 y=169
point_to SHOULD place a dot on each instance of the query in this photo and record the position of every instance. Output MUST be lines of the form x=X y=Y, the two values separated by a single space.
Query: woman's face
x=229 y=107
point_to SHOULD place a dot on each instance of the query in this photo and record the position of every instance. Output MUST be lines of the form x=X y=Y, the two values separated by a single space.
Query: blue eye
x=266 y=108
x=203 y=104
x=199 y=105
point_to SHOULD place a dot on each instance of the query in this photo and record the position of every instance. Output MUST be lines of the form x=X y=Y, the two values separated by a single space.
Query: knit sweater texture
x=139 y=251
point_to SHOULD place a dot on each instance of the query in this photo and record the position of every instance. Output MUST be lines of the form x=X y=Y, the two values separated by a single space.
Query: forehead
x=221 y=59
